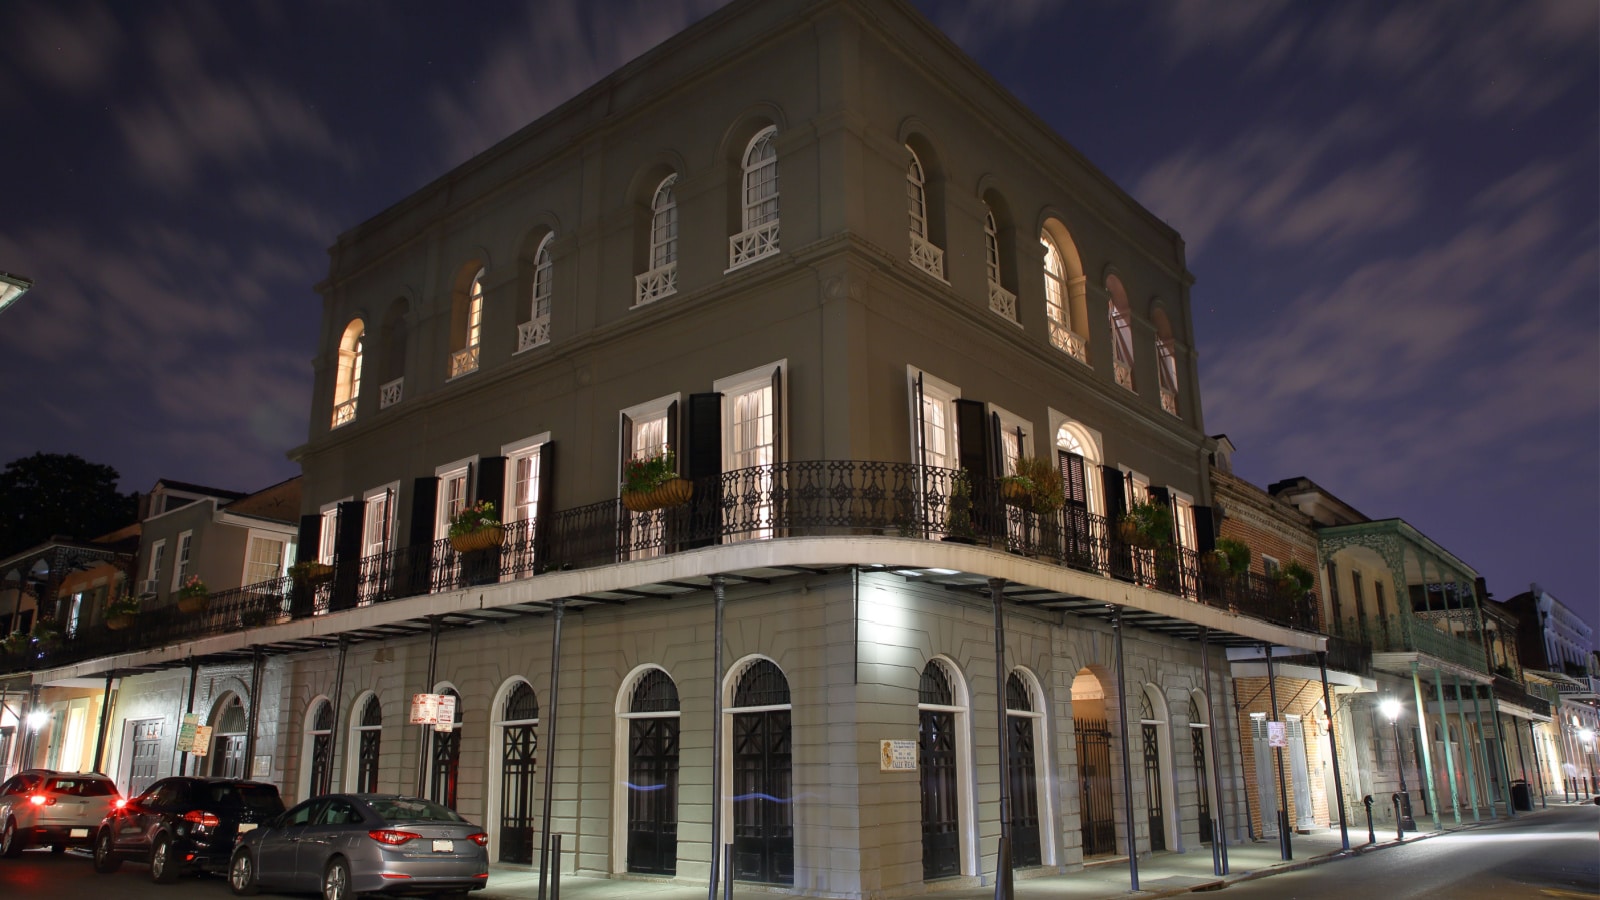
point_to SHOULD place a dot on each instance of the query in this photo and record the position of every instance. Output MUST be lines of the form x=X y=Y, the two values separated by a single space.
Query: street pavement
x=1553 y=853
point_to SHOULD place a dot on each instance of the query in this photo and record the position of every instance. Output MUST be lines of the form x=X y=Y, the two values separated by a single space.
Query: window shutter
x=1075 y=506
x=1205 y=530
x=347 y=554
x=777 y=417
x=1116 y=493
x=624 y=445
x=919 y=421
x=1162 y=496
x=491 y=484
x=424 y=507
x=544 y=538
x=973 y=441
x=672 y=431
x=309 y=539
x=704 y=458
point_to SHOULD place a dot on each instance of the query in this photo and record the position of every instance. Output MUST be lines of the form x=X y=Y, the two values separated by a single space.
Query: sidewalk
x=1162 y=875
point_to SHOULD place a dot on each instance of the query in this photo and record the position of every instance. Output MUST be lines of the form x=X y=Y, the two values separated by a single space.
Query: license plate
x=444 y=846
x=78 y=832
x=247 y=827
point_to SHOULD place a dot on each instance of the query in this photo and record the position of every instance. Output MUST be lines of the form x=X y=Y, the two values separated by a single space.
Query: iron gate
x=1202 y=782
x=941 y=834
x=519 y=745
x=653 y=796
x=1094 y=779
x=1152 y=787
x=1025 y=849
x=763 y=822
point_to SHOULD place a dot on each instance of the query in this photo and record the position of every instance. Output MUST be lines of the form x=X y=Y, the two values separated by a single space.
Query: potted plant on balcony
x=16 y=642
x=1293 y=581
x=46 y=635
x=1146 y=525
x=652 y=482
x=958 y=520
x=121 y=612
x=193 y=597
x=1230 y=559
x=310 y=573
x=1044 y=483
x=253 y=617
x=476 y=528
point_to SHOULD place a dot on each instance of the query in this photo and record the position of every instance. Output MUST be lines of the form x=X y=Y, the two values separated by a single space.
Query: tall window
x=935 y=411
x=465 y=358
x=759 y=236
x=1001 y=301
x=1166 y=361
x=1056 y=301
x=158 y=552
x=924 y=254
x=1121 y=333
x=368 y=741
x=180 y=565
x=377 y=532
x=522 y=495
x=750 y=447
x=452 y=498
x=264 y=560
x=661 y=279
x=536 y=330
x=650 y=728
x=327 y=539
x=347 y=379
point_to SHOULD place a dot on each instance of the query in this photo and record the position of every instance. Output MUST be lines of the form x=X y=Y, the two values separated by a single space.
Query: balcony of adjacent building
x=930 y=525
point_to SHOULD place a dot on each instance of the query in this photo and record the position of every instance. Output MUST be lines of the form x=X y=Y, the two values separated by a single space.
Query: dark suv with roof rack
x=184 y=825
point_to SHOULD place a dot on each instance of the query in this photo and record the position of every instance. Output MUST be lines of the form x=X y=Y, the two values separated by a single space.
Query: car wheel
x=164 y=867
x=336 y=881
x=10 y=841
x=242 y=874
x=105 y=861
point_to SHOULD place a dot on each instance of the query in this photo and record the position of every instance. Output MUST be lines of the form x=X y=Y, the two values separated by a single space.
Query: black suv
x=184 y=825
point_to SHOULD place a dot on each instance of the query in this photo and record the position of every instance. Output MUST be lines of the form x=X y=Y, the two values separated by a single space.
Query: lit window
x=924 y=254
x=377 y=532
x=347 y=379
x=181 y=563
x=1001 y=301
x=1121 y=333
x=264 y=560
x=759 y=237
x=465 y=357
x=536 y=330
x=661 y=279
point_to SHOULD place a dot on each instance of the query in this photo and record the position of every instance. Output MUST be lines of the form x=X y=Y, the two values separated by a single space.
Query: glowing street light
x=1391 y=709
x=38 y=719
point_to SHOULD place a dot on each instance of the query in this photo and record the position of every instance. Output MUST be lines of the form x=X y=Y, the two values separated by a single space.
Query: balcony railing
x=1391 y=635
x=659 y=282
x=1002 y=301
x=1124 y=374
x=389 y=394
x=927 y=257
x=748 y=246
x=799 y=499
x=1508 y=690
x=463 y=361
x=1169 y=400
x=532 y=333
x=1069 y=341
x=344 y=413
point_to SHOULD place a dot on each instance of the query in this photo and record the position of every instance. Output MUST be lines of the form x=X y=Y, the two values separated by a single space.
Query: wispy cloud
x=72 y=46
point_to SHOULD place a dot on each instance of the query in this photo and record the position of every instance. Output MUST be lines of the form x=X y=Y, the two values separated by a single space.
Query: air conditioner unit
x=149 y=587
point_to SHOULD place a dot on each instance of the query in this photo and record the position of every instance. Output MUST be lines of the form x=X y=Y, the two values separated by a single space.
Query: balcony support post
x=188 y=708
x=1500 y=742
x=422 y=741
x=1002 y=858
x=1219 y=833
x=719 y=600
x=1285 y=843
x=1333 y=748
x=257 y=667
x=1444 y=738
x=1468 y=751
x=1422 y=738
x=338 y=695
x=105 y=721
x=1127 y=771
x=545 y=860
x=1538 y=771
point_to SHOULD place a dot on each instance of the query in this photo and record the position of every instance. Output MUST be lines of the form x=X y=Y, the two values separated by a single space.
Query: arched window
x=1153 y=727
x=368 y=741
x=446 y=762
x=1001 y=301
x=1198 y=726
x=941 y=747
x=1057 y=301
x=519 y=743
x=661 y=279
x=465 y=357
x=319 y=750
x=536 y=330
x=1166 y=361
x=761 y=772
x=650 y=727
x=760 y=203
x=229 y=725
x=1023 y=736
x=1121 y=333
x=347 y=380
x=924 y=255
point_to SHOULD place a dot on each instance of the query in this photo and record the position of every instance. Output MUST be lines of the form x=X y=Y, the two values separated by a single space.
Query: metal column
x=1500 y=741
x=1285 y=843
x=1127 y=772
x=333 y=736
x=1533 y=745
x=1002 y=856
x=105 y=721
x=1219 y=831
x=719 y=600
x=557 y=606
x=1444 y=738
x=188 y=709
x=1333 y=748
x=422 y=741
x=1467 y=750
x=1422 y=738
x=257 y=664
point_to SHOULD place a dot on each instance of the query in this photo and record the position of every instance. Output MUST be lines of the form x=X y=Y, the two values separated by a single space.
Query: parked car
x=349 y=844
x=41 y=807
x=184 y=825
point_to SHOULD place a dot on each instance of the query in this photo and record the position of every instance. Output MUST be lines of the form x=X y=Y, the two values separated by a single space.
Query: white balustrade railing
x=1124 y=374
x=659 y=282
x=464 y=361
x=533 y=333
x=1169 y=400
x=344 y=413
x=389 y=394
x=926 y=256
x=1067 y=340
x=748 y=246
x=1002 y=301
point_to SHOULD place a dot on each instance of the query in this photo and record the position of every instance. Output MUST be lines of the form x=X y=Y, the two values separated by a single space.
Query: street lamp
x=38 y=719
x=1391 y=709
x=11 y=288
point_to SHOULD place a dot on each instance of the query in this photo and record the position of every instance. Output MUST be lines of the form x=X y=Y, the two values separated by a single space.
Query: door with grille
x=763 y=815
x=1094 y=786
x=519 y=742
x=445 y=765
x=369 y=742
x=936 y=740
x=1025 y=847
x=321 y=781
x=1155 y=812
x=227 y=748
x=653 y=775
x=1202 y=773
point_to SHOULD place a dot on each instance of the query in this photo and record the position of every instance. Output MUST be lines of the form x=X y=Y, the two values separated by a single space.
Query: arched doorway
x=1022 y=771
x=519 y=740
x=651 y=718
x=940 y=713
x=445 y=763
x=1152 y=728
x=1199 y=727
x=1092 y=729
x=367 y=741
x=319 y=749
x=763 y=812
x=228 y=726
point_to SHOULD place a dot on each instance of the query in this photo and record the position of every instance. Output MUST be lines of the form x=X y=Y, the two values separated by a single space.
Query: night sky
x=1392 y=212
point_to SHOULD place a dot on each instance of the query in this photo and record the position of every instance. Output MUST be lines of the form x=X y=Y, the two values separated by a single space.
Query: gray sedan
x=349 y=844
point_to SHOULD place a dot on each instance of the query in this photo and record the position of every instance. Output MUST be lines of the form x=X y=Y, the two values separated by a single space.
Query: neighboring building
x=1557 y=648
x=845 y=378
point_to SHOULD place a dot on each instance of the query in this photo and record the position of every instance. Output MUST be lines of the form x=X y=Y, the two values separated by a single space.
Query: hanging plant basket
x=669 y=493
x=311 y=573
x=486 y=538
x=119 y=621
x=1013 y=490
x=190 y=604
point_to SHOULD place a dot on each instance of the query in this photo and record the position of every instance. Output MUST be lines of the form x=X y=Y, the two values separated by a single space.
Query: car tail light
x=391 y=837
x=201 y=818
x=42 y=800
x=120 y=802
x=481 y=839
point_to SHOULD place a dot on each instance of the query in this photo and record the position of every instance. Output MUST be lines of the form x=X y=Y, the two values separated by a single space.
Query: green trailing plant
x=193 y=587
x=1147 y=525
x=1298 y=575
x=959 y=518
x=1231 y=557
x=125 y=605
x=474 y=518
x=15 y=642
x=650 y=472
x=1043 y=483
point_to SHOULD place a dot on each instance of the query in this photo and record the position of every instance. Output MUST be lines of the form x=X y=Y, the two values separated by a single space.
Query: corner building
x=817 y=254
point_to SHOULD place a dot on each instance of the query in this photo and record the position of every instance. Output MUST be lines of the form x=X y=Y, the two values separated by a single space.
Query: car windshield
x=412 y=809
x=258 y=797
x=82 y=787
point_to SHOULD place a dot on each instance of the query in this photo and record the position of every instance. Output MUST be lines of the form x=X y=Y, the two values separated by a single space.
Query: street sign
x=447 y=713
x=897 y=756
x=425 y=709
x=186 y=733
x=202 y=740
x=1277 y=734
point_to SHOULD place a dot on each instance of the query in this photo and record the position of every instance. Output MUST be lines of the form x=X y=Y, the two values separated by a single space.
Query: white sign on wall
x=1277 y=735
x=897 y=756
x=447 y=713
x=262 y=767
x=424 y=709
x=202 y=740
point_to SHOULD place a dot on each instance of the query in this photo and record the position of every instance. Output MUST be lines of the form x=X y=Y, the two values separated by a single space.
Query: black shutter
x=672 y=430
x=973 y=451
x=919 y=421
x=1116 y=505
x=1162 y=496
x=309 y=540
x=777 y=418
x=424 y=509
x=347 y=554
x=1075 y=508
x=1205 y=530
x=545 y=538
x=483 y=566
x=624 y=445
x=704 y=458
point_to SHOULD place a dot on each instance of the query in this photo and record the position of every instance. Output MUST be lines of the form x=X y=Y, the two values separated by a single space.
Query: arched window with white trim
x=366 y=743
x=444 y=767
x=464 y=357
x=1199 y=731
x=1156 y=762
x=925 y=255
x=661 y=279
x=648 y=714
x=1166 y=361
x=759 y=237
x=347 y=379
x=760 y=771
x=1001 y=301
x=536 y=330
x=1026 y=759
x=943 y=750
x=517 y=730
x=318 y=751
x=1118 y=310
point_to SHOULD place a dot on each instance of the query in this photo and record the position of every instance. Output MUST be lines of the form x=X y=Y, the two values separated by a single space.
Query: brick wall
x=1296 y=697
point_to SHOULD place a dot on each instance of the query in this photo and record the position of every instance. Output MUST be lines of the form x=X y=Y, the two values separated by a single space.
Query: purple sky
x=1391 y=212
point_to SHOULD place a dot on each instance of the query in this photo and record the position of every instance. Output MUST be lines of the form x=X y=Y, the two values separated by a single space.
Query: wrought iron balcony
x=748 y=246
x=1408 y=635
x=1508 y=690
x=927 y=257
x=659 y=282
x=799 y=499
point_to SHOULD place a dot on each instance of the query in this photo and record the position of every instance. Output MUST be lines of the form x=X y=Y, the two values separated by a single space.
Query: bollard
x=1399 y=823
x=555 y=867
x=727 y=868
x=1372 y=836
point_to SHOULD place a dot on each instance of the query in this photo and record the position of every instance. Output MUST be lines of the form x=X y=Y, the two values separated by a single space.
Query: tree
x=49 y=494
